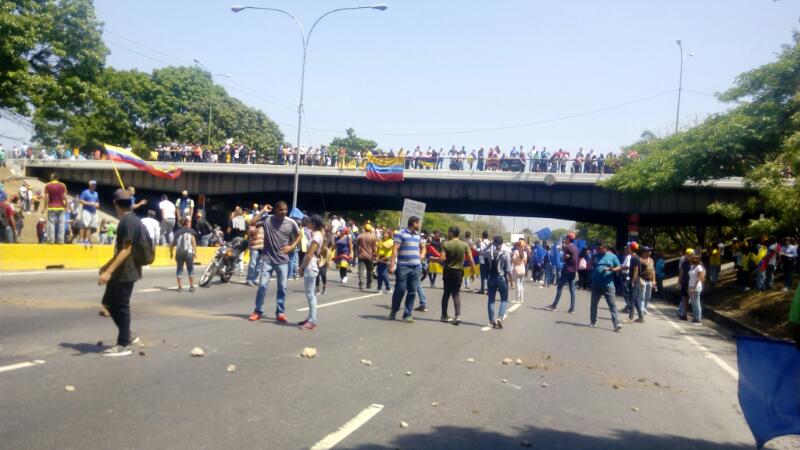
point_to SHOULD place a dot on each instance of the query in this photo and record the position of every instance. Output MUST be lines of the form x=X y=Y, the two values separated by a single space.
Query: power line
x=274 y=99
x=699 y=93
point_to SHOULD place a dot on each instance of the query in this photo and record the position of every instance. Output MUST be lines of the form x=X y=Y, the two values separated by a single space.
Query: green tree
x=353 y=143
x=757 y=139
x=51 y=54
x=169 y=105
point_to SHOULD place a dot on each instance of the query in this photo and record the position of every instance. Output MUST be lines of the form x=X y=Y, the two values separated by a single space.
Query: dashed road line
x=347 y=300
x=330 y=441
x=22 y=365
x=706 y=352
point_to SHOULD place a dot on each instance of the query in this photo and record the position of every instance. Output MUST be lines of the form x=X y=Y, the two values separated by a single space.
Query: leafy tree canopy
x=51 y=55
x=758 y=139
x=353 y=143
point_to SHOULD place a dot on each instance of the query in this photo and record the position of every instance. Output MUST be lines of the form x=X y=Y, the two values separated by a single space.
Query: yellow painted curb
x=25 y=257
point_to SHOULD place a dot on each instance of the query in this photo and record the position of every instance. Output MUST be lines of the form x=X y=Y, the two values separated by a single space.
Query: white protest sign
x=516 y=237
x=412 y=208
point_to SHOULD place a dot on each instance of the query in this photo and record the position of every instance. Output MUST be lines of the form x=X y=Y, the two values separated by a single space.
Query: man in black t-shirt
x=631 y=283
x=567 y=274
x=121 y=272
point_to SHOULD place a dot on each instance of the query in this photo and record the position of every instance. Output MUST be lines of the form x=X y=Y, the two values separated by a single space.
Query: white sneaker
x=344 y=280
x=117 y=350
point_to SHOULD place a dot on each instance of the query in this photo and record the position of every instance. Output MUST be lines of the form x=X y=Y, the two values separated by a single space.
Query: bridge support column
x=628 y=230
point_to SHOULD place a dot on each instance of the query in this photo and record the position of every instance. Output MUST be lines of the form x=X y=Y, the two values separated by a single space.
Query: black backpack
x=144 y=249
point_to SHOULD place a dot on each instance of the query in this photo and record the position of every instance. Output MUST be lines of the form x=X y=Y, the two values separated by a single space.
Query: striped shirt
x=408 y=254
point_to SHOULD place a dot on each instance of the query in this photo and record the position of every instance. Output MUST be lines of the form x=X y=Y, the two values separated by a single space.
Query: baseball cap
x=367 y=227
x=689 y=251
x=121 y=194
x=646 y=249
x=93 y=182
x=634 y=245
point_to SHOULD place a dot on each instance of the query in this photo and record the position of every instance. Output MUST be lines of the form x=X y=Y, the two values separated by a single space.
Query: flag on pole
x=544 y=234
x=769 y=387
x=125 y=155
x=382 y=168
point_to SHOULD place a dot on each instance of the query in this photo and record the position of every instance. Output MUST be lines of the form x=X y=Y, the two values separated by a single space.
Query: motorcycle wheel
x=226 y=274
x=208 y=275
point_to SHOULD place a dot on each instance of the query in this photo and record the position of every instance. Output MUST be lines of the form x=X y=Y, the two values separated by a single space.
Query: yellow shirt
x=714 y=259
x=385 y=248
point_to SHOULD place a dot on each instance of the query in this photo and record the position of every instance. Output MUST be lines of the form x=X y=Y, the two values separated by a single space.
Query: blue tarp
x=769 y=387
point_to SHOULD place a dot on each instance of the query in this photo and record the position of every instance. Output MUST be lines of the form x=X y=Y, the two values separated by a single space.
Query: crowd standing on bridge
x=492 y=158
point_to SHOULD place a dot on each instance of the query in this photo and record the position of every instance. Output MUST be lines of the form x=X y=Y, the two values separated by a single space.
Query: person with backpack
x=183 y=249
x=133 y=249
x=499 y=257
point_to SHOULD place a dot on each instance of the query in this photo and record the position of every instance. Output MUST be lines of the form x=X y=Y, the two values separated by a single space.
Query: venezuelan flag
x=124 y=155
x=382 y=168
x=427 y=163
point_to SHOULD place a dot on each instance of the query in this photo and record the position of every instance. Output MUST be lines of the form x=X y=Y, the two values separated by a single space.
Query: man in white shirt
x=168 y=210
x=152 y=226
x=788 y=261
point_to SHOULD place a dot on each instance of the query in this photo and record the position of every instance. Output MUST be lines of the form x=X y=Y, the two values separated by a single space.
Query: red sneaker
x=309 y=326
x=255 y=316
x=302 y=322
x=282 y=318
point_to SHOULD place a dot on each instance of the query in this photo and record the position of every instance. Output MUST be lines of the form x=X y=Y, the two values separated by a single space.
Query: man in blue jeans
x=499 y=257
x=406 y=264
x=568 y=273
x=604 y=266
x=281 y=237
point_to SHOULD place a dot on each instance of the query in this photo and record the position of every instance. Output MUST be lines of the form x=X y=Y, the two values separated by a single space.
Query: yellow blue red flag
x=383 y=168
x=125 y=155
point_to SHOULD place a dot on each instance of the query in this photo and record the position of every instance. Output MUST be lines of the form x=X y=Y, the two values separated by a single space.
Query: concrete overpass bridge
x=566 y=196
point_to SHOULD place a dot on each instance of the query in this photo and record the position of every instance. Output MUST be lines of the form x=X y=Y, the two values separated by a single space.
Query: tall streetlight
x=210 y=102
x=680 y=82
x=305 y=37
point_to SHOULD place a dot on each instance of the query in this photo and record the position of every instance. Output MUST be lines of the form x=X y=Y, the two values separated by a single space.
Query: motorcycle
x=225 y=261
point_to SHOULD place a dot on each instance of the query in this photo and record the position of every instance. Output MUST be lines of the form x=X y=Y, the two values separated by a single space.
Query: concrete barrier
x=24 y=257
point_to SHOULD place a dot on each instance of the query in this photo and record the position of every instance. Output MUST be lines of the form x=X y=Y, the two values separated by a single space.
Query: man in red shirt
x=55 y=202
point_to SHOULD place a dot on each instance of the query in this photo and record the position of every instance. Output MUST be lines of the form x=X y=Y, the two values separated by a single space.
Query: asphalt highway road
x=657 y=385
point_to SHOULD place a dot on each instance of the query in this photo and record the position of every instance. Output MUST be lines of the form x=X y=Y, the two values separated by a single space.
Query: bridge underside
x=581 y=202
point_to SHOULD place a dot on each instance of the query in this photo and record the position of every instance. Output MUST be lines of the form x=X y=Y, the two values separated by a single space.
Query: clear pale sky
x=422 y=70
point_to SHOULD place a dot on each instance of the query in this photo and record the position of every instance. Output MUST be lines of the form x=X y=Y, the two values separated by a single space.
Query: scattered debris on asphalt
x=615 y=386
x=231 y=368
x=309 y=352
x=518 y=362
x=435 y=404
x=403 y=424
x=545 y=384
x=366 y=362
x=470 y=360
x=505 y=380
x=507 y=361
x=197 y=351
x=635 y=409
x=142 y=353
x=69 y=388
x=409 y=373
x=476 y=411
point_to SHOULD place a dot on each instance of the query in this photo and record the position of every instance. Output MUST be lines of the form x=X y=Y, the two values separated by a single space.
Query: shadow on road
x=579 y=324
x=82 y=348
x=462 y=438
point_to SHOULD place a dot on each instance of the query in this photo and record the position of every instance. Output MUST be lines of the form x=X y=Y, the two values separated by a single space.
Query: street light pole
x=305 y=38
x=210 y=101
x=680 y=86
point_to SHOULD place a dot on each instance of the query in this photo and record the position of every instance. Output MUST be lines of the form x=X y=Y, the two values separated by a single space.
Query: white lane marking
x=706 y=352
x=323 y=305
x=329 y=441
x=23 y=365
x=513 y=308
